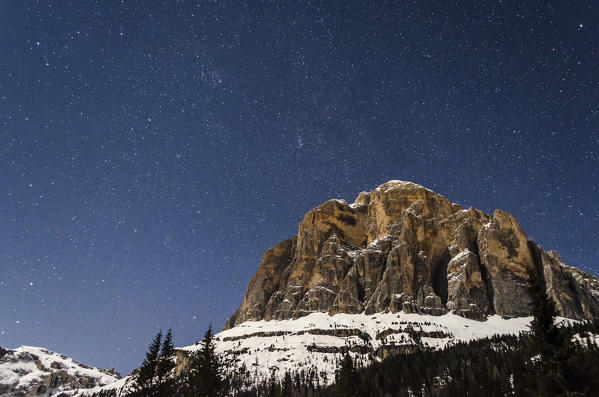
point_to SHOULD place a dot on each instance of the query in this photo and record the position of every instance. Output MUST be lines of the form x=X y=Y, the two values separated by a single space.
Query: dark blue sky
x=150 y=152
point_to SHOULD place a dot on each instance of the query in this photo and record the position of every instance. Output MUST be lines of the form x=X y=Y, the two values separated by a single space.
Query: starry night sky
x=150 y=152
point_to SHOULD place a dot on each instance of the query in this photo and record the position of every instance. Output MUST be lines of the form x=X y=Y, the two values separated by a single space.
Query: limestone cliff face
x=402 y=247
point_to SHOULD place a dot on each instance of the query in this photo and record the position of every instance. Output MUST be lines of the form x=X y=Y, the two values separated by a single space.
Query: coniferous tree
x=205 y=377
x=544 y=375
x=346 y=378
x=166 y=362
x=273 y=387
x=154 y=377
x=287 y=386
x=544 y=312
x=143 y=382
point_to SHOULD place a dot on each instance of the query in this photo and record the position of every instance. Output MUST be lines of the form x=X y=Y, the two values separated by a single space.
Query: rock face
x=402 y=247
x=34 y=371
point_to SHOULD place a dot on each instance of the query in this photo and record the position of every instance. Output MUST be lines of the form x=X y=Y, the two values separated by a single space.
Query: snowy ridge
x=29 y=368
x=318 y=340
x=119 y=385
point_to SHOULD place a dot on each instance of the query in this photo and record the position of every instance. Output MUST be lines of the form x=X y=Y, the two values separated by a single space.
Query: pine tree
x=205 y=377
x=544 y=312
x=346 y=378
x=144 y=379
x=545 y=349
x=287 y=386
x=273 y=387
x=166 y=363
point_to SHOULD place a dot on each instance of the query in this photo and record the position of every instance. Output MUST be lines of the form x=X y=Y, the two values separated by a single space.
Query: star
x=164 y=164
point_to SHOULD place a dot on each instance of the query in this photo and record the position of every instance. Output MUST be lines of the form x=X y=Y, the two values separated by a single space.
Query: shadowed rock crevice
x=440 y=283
x=402 y=247
x=488 y=286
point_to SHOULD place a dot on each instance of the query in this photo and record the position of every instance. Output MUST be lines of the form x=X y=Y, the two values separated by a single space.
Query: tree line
x=546 y=361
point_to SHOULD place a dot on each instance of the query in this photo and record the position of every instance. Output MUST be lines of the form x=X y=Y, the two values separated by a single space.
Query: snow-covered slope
x=318 y=340
x=314 y=342
x=36 y=371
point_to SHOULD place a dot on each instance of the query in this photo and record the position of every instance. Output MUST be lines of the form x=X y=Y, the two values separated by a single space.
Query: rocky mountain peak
x=35 y=371
x=402 y=247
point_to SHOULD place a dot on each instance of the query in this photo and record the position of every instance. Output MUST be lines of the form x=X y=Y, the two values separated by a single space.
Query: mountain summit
x=400 y=269
x=402 y=247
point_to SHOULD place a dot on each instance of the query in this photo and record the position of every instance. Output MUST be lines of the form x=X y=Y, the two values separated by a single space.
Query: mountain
x=401 y=268
x=402 y=247
x=35 y=371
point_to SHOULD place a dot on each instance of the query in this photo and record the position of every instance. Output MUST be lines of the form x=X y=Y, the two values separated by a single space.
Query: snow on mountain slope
x=121 y=385
x=318 y=340
x=30 y=370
